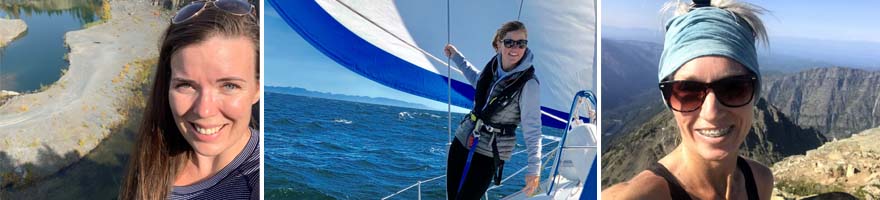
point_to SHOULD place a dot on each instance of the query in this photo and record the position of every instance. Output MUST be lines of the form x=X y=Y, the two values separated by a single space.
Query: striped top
x=238 y=180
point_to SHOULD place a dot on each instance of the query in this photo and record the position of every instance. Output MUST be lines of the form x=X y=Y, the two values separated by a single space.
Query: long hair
x=161 y=151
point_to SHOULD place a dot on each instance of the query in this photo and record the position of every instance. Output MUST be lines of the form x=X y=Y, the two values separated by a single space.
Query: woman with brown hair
x=197 y=139
x=506 y=97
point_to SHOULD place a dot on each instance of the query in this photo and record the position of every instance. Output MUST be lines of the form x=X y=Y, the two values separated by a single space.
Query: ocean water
x=328 y=149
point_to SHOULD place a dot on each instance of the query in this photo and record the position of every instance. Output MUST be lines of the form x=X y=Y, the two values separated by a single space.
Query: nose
x=711 y=109
x=205 y=106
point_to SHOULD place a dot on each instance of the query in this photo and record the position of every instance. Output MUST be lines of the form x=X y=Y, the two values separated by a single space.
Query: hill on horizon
x=344 y=97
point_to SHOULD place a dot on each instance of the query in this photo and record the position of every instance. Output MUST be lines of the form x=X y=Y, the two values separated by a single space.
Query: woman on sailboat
x=198 y=138
x=709 y=78
x=506 y=97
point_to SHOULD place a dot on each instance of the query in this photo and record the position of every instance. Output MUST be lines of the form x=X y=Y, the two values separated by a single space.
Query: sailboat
x=379 y=41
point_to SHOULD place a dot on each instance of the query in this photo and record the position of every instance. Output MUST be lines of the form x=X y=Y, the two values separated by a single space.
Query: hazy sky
x=827 y=20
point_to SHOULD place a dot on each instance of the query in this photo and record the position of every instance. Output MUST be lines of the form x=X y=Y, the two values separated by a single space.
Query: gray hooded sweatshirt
x=530 y=106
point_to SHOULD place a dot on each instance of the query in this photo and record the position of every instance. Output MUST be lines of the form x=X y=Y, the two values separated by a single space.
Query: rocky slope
x=850 y=165
x=835 y=101
x=11 y=29
x=629 y=93
x=772 y=137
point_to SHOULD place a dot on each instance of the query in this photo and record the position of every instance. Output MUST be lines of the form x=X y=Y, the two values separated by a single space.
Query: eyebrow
x=178 y=79
x=231 y=78
x=224 y=79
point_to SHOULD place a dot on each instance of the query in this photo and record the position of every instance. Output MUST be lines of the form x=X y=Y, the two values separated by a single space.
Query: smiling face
x=713 y=131
x=213 y=85
x=511 y=56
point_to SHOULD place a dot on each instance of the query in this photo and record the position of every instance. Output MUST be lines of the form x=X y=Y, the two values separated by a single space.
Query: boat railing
x=418 y=184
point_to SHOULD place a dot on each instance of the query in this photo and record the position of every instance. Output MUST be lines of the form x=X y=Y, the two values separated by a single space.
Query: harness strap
x=499 y=164
x=467 y=164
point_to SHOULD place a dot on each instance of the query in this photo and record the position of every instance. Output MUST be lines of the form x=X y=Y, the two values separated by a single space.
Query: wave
x=550 y=137
x=296 y=193
x=427 y=114
x=404 y=115
x=343 y=121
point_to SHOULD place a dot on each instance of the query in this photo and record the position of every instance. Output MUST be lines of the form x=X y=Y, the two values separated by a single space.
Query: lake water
x=38 y=56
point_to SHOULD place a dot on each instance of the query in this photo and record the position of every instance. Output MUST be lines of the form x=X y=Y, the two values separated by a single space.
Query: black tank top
x=678 y=193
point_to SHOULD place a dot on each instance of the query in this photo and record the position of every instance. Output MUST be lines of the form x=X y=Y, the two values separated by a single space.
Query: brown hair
x=505 y=28
x=161 y=150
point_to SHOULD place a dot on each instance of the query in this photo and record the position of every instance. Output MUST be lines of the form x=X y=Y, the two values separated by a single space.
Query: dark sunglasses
x=235 y=7
x=508 y=43
x=688 y=96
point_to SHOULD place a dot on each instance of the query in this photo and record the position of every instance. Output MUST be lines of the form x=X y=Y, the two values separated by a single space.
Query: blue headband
x=707 y=31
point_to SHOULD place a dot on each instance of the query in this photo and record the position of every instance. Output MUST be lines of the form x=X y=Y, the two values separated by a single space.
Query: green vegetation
x=802 y=188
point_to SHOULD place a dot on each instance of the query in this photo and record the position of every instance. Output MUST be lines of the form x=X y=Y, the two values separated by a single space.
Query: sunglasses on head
x=235 y=7
x=508 y=43
x=688 y=96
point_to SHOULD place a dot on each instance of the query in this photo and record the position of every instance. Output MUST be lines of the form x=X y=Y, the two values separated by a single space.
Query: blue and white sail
x=380 y=42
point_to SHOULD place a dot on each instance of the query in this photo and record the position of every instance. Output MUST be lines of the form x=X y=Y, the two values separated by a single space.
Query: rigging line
x=448 y=79
x=395 y=36
x=448 y=92
x=519 y=12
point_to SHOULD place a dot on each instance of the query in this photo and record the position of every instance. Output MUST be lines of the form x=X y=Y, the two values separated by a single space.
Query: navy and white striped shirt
x=238 y=180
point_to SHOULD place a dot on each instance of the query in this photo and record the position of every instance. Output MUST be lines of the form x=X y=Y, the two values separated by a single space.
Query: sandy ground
x=46 y=131
x=11 y=29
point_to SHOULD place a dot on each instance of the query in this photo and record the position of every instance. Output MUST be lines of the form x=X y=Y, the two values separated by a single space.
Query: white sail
x=379 y=40
x=373 y=39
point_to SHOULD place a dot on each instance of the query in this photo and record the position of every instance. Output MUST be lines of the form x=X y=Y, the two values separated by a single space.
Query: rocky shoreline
x=46 y=131
x=10 y=29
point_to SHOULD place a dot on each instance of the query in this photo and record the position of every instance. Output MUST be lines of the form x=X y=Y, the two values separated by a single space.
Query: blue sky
x=827 y=20
x=291 y=61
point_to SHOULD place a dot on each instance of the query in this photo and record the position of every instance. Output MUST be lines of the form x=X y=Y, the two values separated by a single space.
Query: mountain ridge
x=344 y=97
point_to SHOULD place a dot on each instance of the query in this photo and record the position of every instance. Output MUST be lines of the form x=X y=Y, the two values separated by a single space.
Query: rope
x=520 y=9
x=397 y=37
x=547 y=158
x=448 y=91
x=411 y=186
x=543 y=156
x=448 y=79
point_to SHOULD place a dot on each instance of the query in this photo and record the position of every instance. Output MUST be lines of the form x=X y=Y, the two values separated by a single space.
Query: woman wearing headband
x=197 y=139
x=709 y=78
x=506 y=97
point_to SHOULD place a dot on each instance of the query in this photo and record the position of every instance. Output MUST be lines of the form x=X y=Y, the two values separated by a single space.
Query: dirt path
x=46 y=131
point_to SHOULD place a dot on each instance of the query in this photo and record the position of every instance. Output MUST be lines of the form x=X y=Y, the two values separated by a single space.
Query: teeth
x=207 y=131
x=714 y=133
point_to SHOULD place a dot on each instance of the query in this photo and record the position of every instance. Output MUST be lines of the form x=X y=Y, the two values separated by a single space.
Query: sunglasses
x=508 y=43
x=235 y=7
x=688 y=96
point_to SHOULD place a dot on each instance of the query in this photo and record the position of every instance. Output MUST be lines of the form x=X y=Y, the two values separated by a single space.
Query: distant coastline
x=361 y=99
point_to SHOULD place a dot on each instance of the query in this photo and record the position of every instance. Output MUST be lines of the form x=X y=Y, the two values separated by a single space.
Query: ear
x=257 y=94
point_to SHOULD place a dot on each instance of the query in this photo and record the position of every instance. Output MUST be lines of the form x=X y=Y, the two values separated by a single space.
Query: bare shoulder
x=763 y=178
x=645 y=185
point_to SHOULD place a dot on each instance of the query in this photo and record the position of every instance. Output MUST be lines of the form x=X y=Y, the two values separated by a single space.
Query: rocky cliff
x=835 y=101
x=773 y=136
